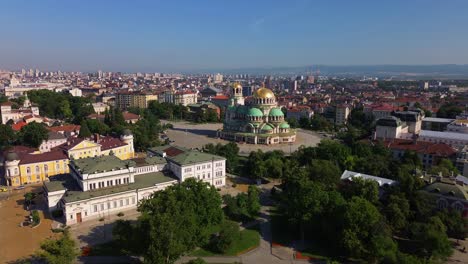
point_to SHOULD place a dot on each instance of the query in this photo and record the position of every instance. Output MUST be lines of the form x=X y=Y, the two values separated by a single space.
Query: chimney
x=96 y=137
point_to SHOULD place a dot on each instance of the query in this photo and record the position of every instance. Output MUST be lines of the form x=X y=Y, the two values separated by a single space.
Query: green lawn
x=248 y=239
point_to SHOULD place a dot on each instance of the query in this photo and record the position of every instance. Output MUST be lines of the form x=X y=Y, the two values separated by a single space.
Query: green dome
x=254 y=112
x=267 y=128
x=284 y=125
x=276 y=112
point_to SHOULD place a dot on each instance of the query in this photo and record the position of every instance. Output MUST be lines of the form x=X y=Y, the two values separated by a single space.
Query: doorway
x=78 y=217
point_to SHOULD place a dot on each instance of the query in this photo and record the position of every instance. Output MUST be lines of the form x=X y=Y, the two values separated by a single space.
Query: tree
x=397 y=211
x=324 y=171
x=7 y=135
x=360 y=221
x=292 y=122
x=303 y=201
x=444 y=167
x=84 y=130
x=364 y=188
x=253 y=201
x=432 y=236
x=228 y=234
x=304 y=122
x=449 y=110
x=193 y=205
x=60 y=251
x=33 y=134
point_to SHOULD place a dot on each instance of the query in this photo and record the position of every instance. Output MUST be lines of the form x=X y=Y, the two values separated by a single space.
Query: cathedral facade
x=260 y=121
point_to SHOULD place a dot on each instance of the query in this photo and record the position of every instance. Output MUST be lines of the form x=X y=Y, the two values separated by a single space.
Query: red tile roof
x=424 y=147
x=220 y=97
x=110 y=143
x=48 y=156
x=18 y=126
x=172 y=151
x=65 y=128
x=130 y=116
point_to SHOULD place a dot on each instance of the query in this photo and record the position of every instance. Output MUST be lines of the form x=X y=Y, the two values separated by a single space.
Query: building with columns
x=260 y=121
x=98 y=187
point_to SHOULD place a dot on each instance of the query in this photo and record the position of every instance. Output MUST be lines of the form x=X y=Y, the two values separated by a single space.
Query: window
x=102 y=207
x=95 y=208
x=108 y=205
x=38 y=170
x=16 y=171
x=115 y=204
x=28 y=170
x=71 y=216
x=121 y=203
x=442 y=204
x=208 y=175
x=126 y=201
x=133 y=200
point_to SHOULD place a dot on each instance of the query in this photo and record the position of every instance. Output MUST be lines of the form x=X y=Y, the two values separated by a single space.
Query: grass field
x=248 y=239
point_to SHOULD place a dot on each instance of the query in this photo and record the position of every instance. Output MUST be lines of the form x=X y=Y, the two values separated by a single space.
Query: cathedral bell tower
x=237 y=94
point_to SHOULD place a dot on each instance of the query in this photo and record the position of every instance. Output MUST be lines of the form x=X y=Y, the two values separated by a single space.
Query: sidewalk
x=94 y=232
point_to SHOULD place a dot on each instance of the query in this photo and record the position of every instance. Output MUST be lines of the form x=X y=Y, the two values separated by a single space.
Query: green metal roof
x=255 y=112
x=284 y=125
x=193 y=157
x=141 y=181
x=267 y=127
x=101 y=164
x=276 y=112
x=447 y=189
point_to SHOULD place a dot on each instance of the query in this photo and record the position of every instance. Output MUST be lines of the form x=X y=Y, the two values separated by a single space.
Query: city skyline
x=186 y=36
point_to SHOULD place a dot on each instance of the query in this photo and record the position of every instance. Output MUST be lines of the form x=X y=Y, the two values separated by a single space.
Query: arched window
x=458 y=206
x=28 y=171
x=442 y=204
x=46 y=170
x=38 y=170
x=16 y=171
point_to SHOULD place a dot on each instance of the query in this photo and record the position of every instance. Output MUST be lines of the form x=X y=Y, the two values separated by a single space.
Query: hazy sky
x=225 y=34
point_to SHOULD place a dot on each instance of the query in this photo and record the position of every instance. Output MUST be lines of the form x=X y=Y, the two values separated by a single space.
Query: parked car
x=20 y=188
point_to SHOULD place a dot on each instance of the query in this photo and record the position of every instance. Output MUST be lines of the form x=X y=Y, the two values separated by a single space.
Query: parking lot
x=192 y=135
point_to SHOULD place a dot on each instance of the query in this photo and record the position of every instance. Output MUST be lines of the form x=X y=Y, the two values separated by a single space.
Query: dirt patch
x=18 y=242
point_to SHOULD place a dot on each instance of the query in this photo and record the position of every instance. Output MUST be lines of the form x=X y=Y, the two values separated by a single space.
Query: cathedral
x=260 y=121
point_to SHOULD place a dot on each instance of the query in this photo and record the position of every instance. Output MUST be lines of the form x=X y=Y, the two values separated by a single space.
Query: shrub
x=35 y=217
x=228 y=234
x=120 y=214
x=57 y=213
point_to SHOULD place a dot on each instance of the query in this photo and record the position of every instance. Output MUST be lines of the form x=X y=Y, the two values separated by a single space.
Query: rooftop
x=101 y=164
x=349 y=175
x=184 y=156
x=74 y=194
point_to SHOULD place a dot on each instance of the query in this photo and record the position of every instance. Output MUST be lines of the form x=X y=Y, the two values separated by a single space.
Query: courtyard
x=18 y=242
x=191 y=135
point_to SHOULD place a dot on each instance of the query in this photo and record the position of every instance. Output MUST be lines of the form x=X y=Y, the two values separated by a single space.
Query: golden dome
x=264 y=93
x=237 y=85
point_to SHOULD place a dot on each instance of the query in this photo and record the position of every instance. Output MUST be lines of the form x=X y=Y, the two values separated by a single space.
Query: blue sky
x=226 y=34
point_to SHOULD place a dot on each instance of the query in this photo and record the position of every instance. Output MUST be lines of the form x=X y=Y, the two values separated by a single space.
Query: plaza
x=191 y=135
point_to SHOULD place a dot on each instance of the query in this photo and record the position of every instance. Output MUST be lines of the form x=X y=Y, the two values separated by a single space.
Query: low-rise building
x=186 y=164
x=100 y=186
x=25 y=165
x=448 y=193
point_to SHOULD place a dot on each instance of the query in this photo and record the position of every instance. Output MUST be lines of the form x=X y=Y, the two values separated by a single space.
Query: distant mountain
x=445 y=71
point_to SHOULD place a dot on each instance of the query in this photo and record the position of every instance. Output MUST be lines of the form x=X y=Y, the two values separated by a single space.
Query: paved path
x=263 y=253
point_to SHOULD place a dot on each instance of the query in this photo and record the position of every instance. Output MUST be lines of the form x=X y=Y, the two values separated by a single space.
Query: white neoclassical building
x=101 y=186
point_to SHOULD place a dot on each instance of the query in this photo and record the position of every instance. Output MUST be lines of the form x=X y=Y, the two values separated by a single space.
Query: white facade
x=120 y=188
